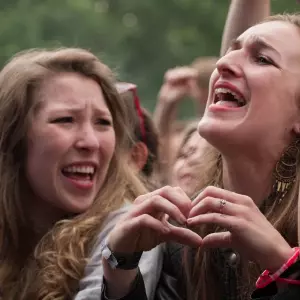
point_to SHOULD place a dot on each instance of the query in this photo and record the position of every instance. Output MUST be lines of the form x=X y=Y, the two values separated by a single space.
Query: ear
x=139 y=155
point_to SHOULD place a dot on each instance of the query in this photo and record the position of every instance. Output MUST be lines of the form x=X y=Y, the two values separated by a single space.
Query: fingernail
x=189 y=221
x=181 y=220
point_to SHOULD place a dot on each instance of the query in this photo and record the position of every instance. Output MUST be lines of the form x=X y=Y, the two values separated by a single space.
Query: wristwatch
x=124 y=261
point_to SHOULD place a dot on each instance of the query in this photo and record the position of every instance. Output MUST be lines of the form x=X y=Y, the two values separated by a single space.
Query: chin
x=77 y=207
x=220 y=136
x=209 y=129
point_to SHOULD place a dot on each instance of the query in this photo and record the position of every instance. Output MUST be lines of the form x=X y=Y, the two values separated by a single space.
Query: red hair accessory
x=123 y=87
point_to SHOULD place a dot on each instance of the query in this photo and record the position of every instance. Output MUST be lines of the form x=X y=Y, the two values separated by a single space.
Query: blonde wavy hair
x=50 y=267
x=203 y=279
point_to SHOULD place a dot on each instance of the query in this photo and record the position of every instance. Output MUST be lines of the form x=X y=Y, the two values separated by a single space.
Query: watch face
x=106 y=253
x=120 y=260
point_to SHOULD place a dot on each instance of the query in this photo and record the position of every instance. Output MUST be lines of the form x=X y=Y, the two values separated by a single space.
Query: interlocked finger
x=174 y=195
x=229 y=223
x=158 y=206
x=219 y=193
x=217 y=205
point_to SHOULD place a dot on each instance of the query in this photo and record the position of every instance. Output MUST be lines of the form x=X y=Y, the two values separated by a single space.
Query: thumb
x=217 y=239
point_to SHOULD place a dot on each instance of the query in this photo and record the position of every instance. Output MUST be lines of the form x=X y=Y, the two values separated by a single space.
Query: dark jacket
x=171 y=285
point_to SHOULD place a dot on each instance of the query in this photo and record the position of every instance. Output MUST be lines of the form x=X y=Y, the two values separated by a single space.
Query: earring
x=286 y=170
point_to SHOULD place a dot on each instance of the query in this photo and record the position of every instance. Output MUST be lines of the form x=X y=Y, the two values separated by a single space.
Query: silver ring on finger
x=222 y=205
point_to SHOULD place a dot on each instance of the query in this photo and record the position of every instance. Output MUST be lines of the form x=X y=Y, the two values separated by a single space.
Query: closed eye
x=182 y=155
x=192 y=151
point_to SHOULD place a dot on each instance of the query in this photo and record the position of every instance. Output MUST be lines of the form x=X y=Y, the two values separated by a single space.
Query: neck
x=248 y=176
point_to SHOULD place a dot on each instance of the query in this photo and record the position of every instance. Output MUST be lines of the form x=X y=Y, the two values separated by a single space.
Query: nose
x=187 y=162
x=87 y=138
x=192 y=160
x=230 y=64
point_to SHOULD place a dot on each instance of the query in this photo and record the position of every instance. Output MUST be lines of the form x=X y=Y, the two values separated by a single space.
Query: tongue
x=77 y=176
x=227 y=103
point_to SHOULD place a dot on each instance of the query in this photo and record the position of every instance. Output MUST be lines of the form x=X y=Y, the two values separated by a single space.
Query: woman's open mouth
x=81 y=176
x=227 y=98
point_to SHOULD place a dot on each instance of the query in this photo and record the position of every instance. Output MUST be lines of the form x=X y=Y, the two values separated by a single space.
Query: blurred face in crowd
x=186 y=168
x=71 y=141
x=254 y=92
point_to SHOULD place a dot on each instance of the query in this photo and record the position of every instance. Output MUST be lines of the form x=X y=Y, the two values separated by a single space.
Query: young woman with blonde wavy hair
x=64 y=179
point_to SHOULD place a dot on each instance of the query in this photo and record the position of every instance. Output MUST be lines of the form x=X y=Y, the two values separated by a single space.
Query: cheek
x=274 y=108
x=275 y=97
x=268 y=95
x=108 y=143
x=267 y=84
x=175 y=169
x=43 y=153
x=37 y=166
x=35 y=161
x=213 y=78
x=48 y=146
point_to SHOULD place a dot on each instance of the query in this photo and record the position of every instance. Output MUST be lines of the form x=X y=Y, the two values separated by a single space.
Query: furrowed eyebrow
x=256 y=42
x=260 y=44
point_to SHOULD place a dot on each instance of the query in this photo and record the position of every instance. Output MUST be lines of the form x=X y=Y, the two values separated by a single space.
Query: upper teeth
x=81 y=169
x=225 y=91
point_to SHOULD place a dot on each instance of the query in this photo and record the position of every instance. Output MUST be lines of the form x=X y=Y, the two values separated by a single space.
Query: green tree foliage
x=140 y=39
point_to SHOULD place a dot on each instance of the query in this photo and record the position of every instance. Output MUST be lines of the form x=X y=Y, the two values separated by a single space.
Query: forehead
x=72 y=91
x=277 y=34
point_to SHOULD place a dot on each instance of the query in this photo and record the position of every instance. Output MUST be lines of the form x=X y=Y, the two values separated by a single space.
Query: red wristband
x=266 y=277
x=289 y=281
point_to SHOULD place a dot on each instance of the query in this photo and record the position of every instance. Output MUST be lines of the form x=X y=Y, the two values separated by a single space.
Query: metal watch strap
x=124 y=261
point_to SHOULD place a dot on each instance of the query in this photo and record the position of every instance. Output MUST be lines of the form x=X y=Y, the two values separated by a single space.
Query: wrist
x=267 y=277
x=278 y=259
x=120 y=260
x=118 y=282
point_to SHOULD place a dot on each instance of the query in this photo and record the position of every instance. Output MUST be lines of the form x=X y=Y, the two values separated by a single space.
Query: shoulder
x=90 y=285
